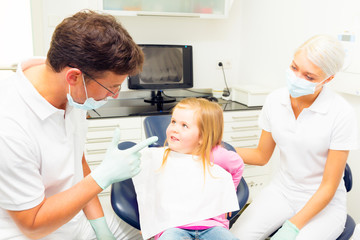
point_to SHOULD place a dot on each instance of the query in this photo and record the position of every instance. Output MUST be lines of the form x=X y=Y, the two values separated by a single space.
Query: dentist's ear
x=73 y=76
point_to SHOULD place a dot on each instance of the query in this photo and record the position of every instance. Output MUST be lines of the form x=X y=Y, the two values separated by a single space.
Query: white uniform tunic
x=41 y=148
x=329 y=123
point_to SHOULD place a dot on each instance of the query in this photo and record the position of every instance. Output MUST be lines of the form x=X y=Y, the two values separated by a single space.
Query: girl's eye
x=173 y=121
x=293 y=67
x=185 y=126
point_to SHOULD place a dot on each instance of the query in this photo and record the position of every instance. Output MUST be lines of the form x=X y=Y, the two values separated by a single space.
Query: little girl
x=185 y=189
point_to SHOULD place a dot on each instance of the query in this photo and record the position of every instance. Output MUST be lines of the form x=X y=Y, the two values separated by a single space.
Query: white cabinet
x=100 y=133
x=181 y=8
x=240 y=130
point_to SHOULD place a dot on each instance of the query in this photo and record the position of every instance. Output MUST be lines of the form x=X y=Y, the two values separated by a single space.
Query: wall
x=16 y=38
x=212 y=39
x=271 y=30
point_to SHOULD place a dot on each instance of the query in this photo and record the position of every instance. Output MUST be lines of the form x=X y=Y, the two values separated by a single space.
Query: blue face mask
x=300 y=87
x=89 y=104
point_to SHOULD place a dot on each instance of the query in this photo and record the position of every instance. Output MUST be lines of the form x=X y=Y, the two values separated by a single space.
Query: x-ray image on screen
x=162 y=65
x=165 y=67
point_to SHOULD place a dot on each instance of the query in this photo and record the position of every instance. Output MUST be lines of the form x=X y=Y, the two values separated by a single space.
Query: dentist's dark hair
x=94 y=43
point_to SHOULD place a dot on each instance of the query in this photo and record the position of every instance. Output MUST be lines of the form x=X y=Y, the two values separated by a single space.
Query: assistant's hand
x=288 y=231
x=119 y=165
x=101 y=229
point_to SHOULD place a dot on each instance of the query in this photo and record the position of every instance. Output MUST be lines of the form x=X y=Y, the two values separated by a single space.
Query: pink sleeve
x=230 y=161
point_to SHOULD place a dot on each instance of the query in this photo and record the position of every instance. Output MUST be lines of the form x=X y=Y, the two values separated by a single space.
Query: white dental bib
x=178 y=194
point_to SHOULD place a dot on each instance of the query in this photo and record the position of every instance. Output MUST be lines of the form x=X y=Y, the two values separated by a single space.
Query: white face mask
x=89 y=104
x=300 y=87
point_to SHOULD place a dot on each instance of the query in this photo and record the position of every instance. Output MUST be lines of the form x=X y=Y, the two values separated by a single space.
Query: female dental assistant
x=47 y=190
x=314 y=129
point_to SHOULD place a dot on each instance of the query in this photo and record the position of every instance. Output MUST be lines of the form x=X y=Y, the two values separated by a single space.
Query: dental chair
x=350 y=223
x=123 y=195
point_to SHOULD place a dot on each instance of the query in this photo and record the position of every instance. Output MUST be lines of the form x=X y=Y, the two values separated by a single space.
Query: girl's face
x=183 y=134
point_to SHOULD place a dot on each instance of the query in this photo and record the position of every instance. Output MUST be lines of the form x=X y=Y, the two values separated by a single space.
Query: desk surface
x=137 y=107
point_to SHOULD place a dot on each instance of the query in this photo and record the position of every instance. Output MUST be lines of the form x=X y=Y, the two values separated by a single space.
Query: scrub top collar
x=37 y=103
x=321 y=104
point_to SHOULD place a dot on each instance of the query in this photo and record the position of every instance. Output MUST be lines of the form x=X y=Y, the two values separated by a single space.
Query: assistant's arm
x=260 y=155
x=334 y=169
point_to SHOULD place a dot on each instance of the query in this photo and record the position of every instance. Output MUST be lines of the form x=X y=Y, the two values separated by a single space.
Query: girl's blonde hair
x=210 y=121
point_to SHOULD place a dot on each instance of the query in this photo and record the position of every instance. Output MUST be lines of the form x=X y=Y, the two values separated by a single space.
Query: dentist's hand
x=288 y=231
x=119 y=165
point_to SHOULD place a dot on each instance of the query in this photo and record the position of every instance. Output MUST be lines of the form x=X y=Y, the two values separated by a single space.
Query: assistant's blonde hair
x=210 y=121
x=324 y=51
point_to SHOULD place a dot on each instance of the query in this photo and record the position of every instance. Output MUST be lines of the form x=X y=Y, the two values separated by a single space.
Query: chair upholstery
x=123 y=197
x=350 y=223
x=156 y=126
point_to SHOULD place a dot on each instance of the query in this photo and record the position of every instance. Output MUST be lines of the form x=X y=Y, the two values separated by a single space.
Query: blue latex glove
x=119 y=165
x=288 y=231
x=101 y=229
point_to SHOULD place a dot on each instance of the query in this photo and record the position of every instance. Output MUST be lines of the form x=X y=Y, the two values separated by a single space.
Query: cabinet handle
x=245 y=127
x=94 y=163
x=255 y=117
x=248 y=146
x=103 y=128
x=164 y=14
x=98 y=140
x=252 y=183
x=245 y=137
x=96 y=151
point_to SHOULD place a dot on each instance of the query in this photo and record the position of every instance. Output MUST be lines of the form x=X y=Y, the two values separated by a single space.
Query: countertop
x=137 y=107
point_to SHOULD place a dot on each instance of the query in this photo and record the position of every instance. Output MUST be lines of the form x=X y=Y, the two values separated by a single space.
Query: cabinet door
x=187 y=8
x=100 y=134
x=256 y=184
x=241 y=129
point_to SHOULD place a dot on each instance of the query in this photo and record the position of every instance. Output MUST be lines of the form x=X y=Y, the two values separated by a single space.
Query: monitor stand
x=159 y=100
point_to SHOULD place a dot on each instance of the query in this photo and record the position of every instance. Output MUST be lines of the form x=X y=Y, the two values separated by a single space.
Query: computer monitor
x=165 y=67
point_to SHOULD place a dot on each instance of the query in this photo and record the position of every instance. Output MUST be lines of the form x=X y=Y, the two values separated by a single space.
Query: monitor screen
x=165 y=67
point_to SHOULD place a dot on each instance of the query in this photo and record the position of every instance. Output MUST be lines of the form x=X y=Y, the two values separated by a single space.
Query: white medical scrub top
x=41 y=147
x=329 y=123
